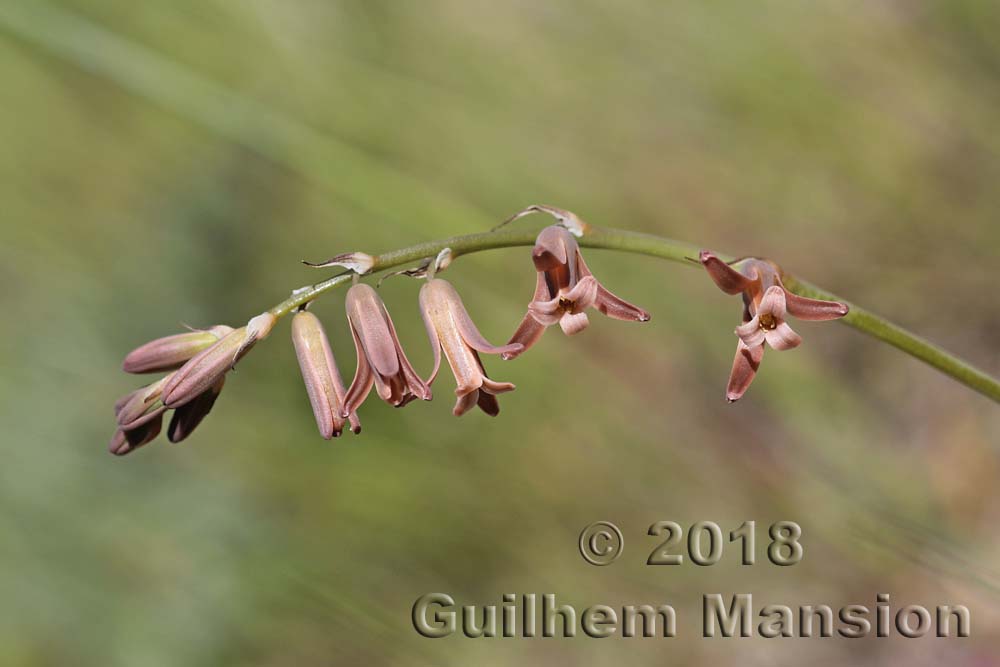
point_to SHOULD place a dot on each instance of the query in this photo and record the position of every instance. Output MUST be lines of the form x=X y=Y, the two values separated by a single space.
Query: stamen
x=768 y=322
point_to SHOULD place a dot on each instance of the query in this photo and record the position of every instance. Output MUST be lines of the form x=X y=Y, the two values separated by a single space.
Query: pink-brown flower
x=450 y=329
x=566 y=288
x=766 y=302
x=319 y=370
x=381 y=361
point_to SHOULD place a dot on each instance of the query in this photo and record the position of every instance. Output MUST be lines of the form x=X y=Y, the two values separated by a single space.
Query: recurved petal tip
x=815 y=310
x=728 y=279
x=745 y=365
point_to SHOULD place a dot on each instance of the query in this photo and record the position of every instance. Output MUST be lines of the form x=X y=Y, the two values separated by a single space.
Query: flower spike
x=564 y=289
x=381 y=360
x=766 y=302
x=450 y=329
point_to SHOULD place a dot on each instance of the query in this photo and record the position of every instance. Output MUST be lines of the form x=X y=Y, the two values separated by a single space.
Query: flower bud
x=204 y=369
x=324 y=385
x=187 y=417
x=123 y=442
x=170 y=352
x=142 y=406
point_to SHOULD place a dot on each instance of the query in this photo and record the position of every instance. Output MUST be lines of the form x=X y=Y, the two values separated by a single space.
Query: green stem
x=676 y=251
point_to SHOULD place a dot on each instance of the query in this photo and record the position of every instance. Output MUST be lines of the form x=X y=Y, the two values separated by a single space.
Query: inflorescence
x=198 y=361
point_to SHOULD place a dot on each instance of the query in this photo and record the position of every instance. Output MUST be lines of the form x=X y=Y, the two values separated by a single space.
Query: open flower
x=319 y=370
x=451 y=329
x=381 y=361
x=566 y=288
x=766 y=302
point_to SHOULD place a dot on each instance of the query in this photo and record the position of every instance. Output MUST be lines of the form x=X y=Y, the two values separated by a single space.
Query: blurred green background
x=167 y=163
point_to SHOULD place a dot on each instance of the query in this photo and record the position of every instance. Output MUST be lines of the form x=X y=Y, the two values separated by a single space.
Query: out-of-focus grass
x=168 y=163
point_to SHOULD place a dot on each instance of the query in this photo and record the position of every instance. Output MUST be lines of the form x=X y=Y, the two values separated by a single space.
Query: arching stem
x=676 y=251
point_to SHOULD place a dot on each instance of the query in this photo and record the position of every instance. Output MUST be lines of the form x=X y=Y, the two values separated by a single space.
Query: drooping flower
x=170 y=352
x=766 y=301
x=450 y=329
x=566 y=288
x=381 y=360
x=322 y=378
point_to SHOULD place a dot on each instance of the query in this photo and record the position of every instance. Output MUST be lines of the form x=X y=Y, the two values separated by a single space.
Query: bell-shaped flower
x=381 y=361
x=322 y=378
x=170 y=353
x=564 y=290
x=766 y=302
x=450 y=329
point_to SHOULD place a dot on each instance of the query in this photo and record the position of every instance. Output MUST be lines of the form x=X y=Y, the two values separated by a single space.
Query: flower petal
x=546 y=313
x=465 y=402
x=367 y=315
x=583 y=295
x=414 y=384
x=773 y=303
x=617 y=308
x=488 y=403
x=728 y=279
x=814 y=310
x=553 y=248
x=432 y=334
x=750 y=332
x=470 y=333
x=527 y=334
x=782 y=337
x=745 y=365
x=573 y=324
x=494 y=387
x=364 y=379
